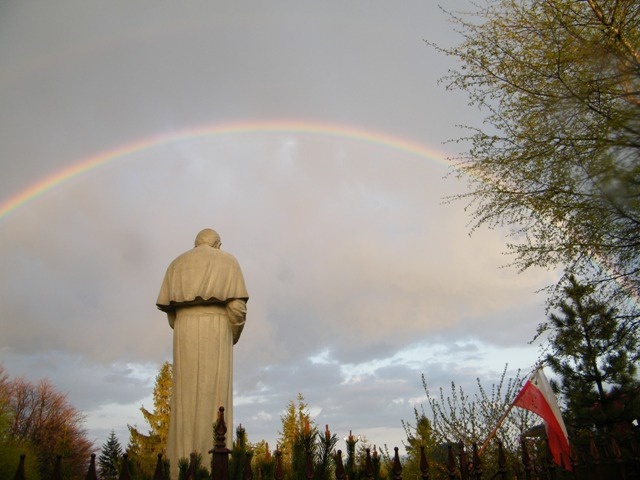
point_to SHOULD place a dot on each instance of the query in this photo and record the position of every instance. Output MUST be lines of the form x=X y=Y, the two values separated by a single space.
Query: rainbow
x=35 y=190
x=409 y=147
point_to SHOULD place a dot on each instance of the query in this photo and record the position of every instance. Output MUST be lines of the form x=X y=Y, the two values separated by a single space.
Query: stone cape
x=200 y=276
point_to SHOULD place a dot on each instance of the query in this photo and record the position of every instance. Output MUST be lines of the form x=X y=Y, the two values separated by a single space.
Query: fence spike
x=526 y=459
x=573 y=456
x=191 y=471
x=593 y=451
x=340 y=473
x=91 y=473
x=502 y=462
x=308 y=467
x=247 y=472
x=20 y=471
x=368 y=464
x=57 y=469
x=159 y=473
x=615 y=449
x=124 y=473
x=220 y=429
x=635 y=450
x=451 y=462
x=397 y=467
x=424 y=465
x=464 y=462
x=476 y=463
x=278 y=474
x=551 y=463
x=616 y=453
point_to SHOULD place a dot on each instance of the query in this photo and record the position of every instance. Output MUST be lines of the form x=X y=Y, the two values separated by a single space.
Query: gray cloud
x=360 y=277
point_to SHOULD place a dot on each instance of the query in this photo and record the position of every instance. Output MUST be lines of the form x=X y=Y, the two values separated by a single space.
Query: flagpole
x=495 y=429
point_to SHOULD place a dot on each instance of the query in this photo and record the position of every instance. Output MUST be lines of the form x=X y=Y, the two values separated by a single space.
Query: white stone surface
x=204 y=296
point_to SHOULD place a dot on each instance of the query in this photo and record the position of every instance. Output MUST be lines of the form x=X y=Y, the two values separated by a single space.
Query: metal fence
x=590 y=460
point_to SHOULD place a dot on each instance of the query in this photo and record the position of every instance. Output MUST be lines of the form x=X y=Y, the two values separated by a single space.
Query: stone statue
x=204 y=296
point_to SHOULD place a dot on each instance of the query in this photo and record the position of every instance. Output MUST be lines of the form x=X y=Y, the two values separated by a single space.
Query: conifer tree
x=595 y=354
x=421 y=435
x=350 y=467
x=262 y=461
x=326 y=444
x=110 y=458
x=142 y=448
x=297 y=437
x=238 y=454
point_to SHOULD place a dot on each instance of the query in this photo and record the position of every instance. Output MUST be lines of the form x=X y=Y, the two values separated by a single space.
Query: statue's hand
x=237 y=313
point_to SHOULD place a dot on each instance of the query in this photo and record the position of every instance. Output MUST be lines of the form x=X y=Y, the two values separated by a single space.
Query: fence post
x=220 y=461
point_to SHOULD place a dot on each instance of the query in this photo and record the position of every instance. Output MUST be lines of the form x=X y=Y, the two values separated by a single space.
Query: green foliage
x=183 y=468
x=305 y=451
x=296 y=438
x=200 y=472
x=324 y=461
x=557 y=160
x=143 y=449
x=10 y=451
x=351 y=466
x=421 y=435
x=262 y=461
x=110 y=458
x=595 y=354
x=239 y=454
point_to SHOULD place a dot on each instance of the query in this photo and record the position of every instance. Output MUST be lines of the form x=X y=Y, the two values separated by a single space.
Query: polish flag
x=537 y=397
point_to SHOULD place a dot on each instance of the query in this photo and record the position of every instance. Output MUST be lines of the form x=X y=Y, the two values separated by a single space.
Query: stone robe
x=204 y=296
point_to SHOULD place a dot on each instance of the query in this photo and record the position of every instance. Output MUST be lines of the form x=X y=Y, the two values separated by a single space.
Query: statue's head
x=208 y=237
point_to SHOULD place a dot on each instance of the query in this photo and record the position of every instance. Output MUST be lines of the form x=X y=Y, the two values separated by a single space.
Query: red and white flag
x=537 y=397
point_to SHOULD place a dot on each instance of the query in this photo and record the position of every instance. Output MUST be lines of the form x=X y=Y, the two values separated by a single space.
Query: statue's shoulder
x=227 y=258
x=225 y=254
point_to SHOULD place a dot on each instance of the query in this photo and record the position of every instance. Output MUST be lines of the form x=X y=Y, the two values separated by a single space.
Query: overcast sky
x=312 y=137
